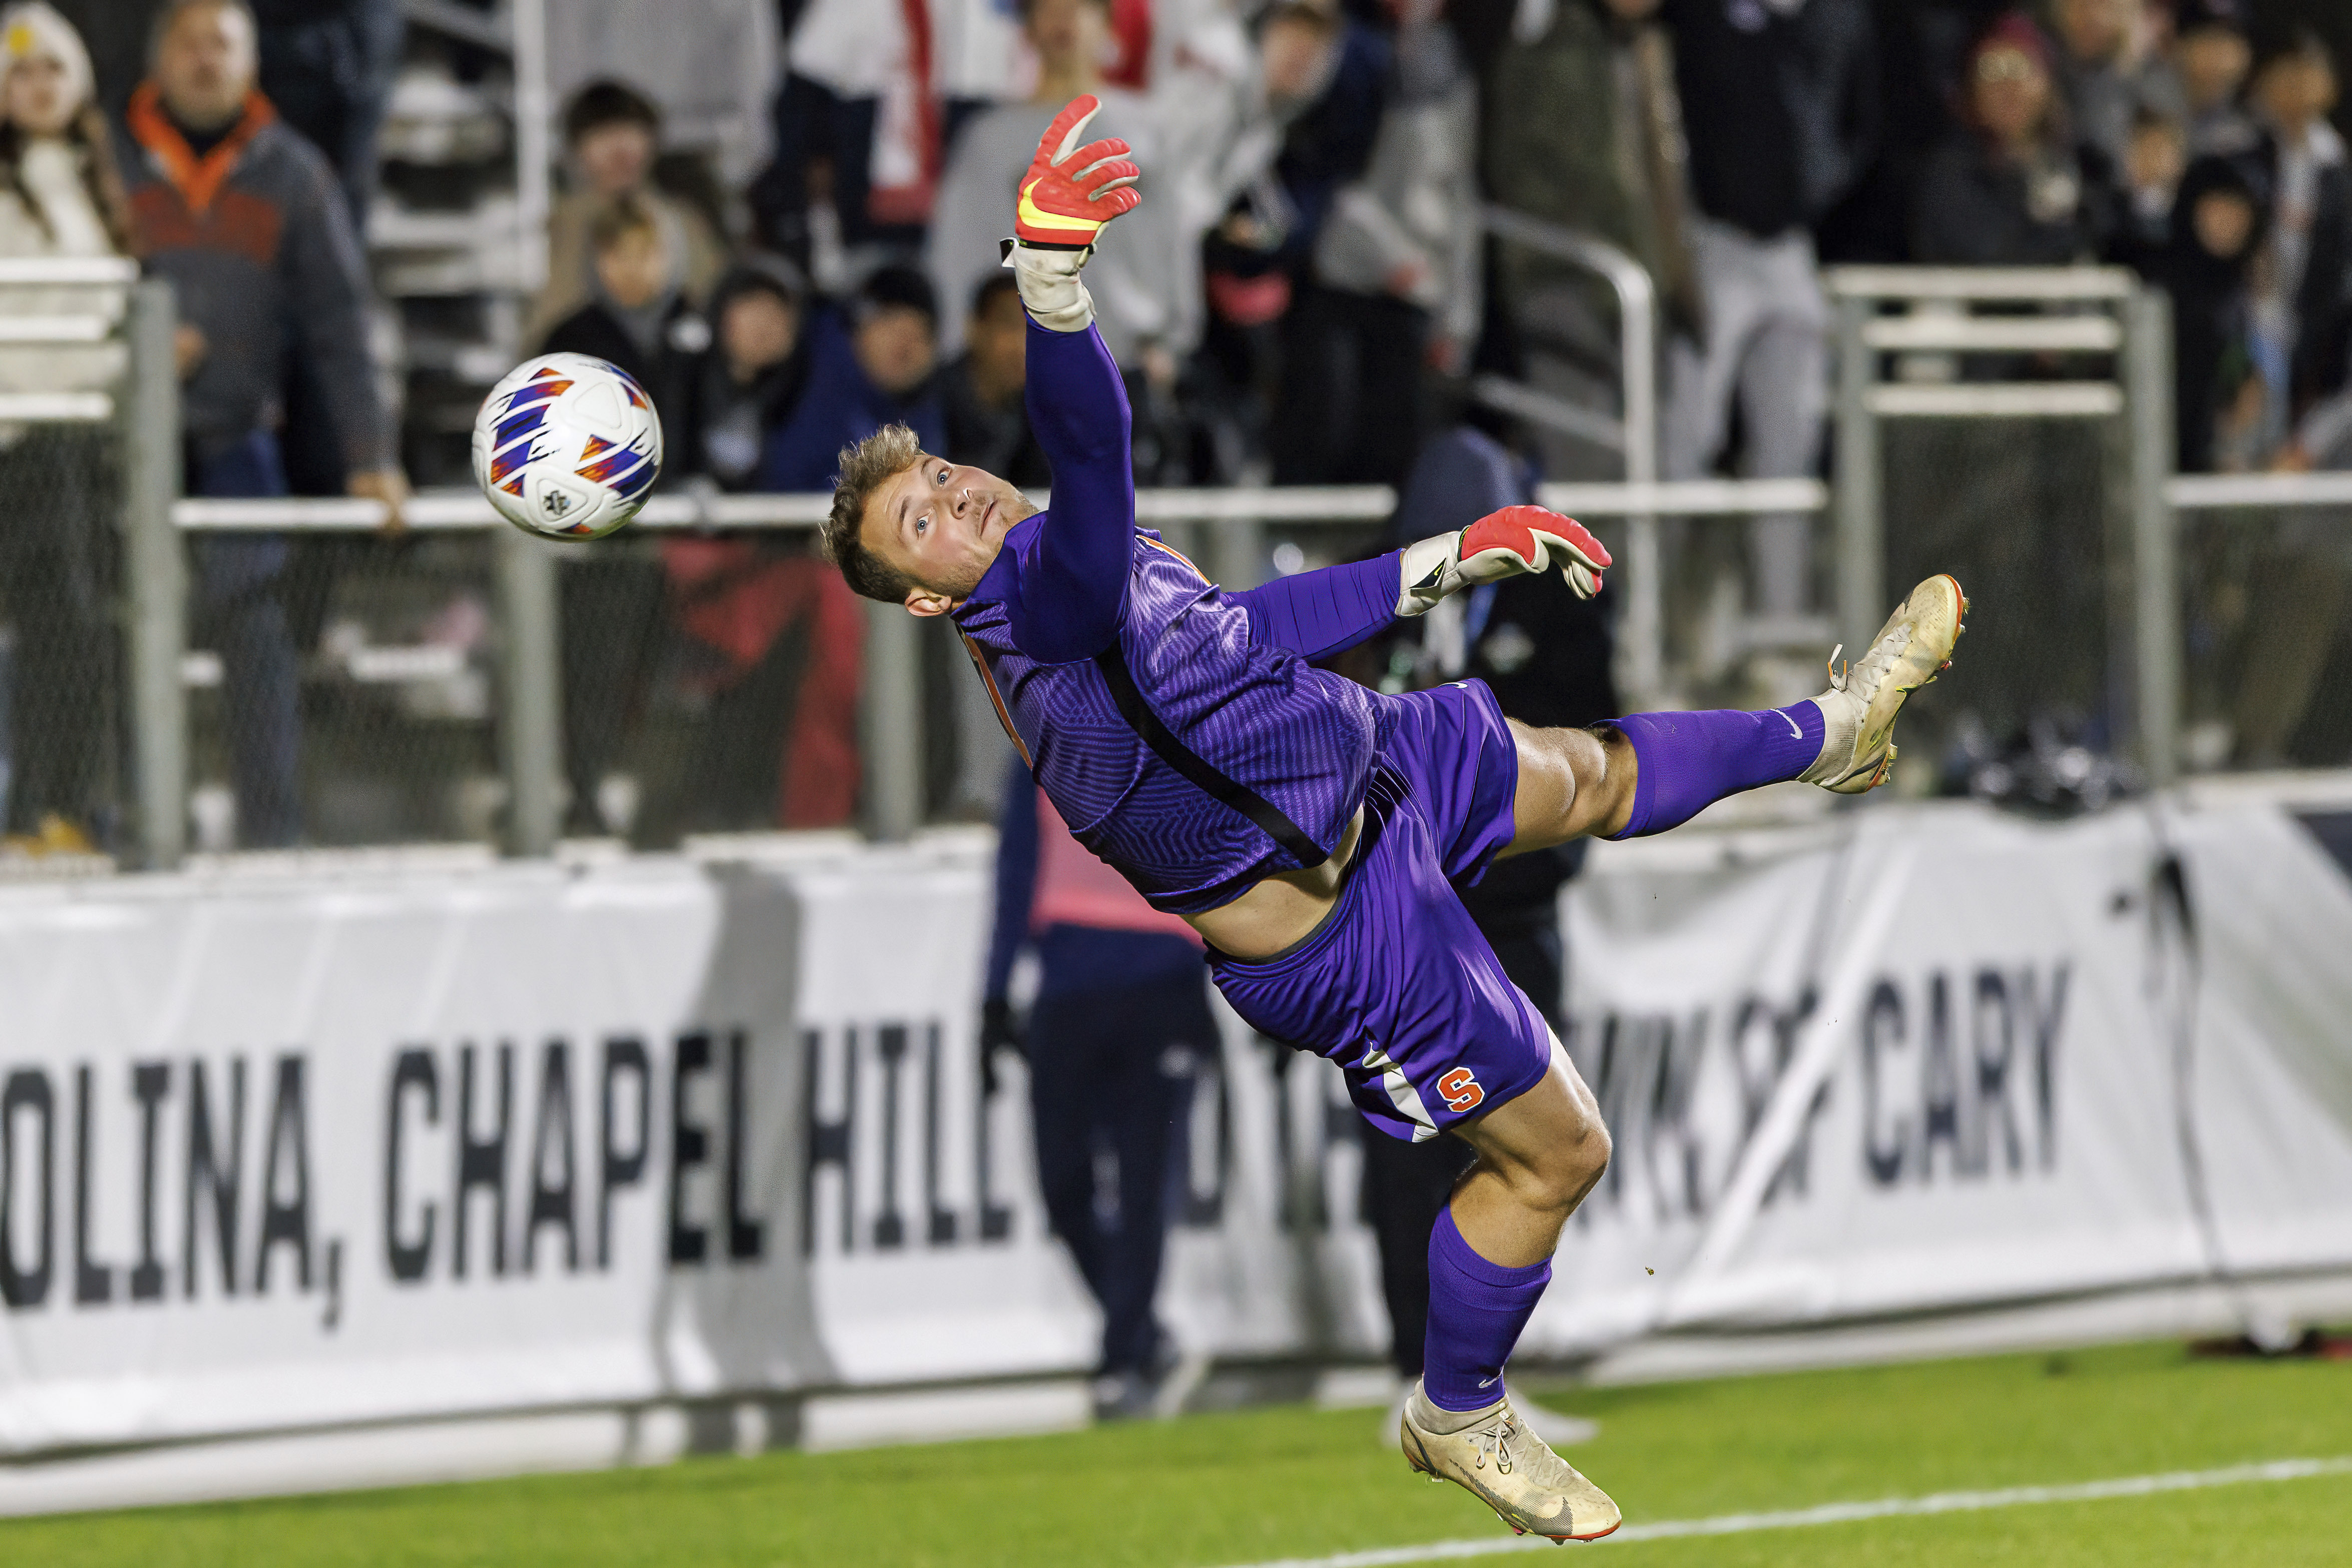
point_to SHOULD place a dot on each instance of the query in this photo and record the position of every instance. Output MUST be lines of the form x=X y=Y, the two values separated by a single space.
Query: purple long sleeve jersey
x=1179 y=728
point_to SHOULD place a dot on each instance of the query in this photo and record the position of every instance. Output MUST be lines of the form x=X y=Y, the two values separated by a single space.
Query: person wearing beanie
x=2010 y=187
x=59 y=197
x=770 y=638
x=2220 y=224
x=869 y=362
x=988 y=416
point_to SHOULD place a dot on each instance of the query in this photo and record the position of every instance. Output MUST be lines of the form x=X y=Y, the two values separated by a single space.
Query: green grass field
x=1266 y=1484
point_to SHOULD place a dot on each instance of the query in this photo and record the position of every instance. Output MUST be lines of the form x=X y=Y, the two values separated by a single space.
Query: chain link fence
x=2022 y=512
x=2265 y=573
x=704 y=673
x=61 y=576
x=2010 y=428
x=340 y=690
x=236 y=674
x=64 y=727
x=710 y=685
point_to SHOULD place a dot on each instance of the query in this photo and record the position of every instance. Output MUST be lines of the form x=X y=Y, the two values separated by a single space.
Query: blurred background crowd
x=782 y=215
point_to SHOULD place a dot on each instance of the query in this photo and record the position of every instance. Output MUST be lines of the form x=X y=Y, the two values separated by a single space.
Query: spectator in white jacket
x=1146 y=296
x=60 y=198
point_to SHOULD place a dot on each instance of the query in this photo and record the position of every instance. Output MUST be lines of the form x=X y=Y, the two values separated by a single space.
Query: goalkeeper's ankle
x=1051 y=290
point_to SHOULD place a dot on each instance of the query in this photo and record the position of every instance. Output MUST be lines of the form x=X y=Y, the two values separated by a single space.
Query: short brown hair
x=888 y=453
x=606 y=101
x=617 y=219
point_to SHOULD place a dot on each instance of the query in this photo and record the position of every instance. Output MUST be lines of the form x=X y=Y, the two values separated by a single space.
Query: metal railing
x=1227 y=528
x=1927 y=321
x=69 y=304
x=892 y=726
x=2163 y=636
x=1634 y=435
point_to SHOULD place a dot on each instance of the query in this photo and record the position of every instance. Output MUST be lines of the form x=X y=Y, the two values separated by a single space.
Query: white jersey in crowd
x=52 y=177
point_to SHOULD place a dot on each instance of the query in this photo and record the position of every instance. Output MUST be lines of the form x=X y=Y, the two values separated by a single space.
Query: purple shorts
x=1397 y=984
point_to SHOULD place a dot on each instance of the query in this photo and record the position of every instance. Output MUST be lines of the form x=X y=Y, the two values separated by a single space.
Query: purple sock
x=1476 y=1310
x=1690 y=760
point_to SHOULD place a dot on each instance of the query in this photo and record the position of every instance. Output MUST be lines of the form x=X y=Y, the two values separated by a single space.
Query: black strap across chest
x=1197 y=770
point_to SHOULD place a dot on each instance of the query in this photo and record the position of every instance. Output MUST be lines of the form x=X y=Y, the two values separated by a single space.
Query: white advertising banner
x=284 y=1156
x=1945 y=1058
x=926 y=1248
x=279 y=1154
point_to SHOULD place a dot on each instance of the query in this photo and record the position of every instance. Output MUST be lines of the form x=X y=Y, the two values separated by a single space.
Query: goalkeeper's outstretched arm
x=1073 y=588
x=1074 y=585
x=1318 y=614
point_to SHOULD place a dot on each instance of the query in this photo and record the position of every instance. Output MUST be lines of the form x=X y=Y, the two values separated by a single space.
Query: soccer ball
x=566 y=446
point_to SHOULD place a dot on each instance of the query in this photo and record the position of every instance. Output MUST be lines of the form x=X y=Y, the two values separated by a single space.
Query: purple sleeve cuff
x=1318 y=614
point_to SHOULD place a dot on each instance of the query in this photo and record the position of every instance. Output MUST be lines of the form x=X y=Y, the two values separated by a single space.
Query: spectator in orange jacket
x=246 y=220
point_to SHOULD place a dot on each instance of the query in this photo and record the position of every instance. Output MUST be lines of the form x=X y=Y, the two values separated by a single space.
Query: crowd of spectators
x=1305 y=296
x=2187 y=144
x=201 y=179
x=1307 y=292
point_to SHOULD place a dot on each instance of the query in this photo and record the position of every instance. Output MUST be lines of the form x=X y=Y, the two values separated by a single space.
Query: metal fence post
x=1641 y=572
x=1236 y=552
x=531 y=695
x=891 y=721
x=2156 y=569
x=1646 y=606
x=1857 y=495
x=156 y=577
x=534 y=122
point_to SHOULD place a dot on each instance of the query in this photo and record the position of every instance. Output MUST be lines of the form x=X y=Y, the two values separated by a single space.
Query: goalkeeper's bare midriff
x=1281 y=910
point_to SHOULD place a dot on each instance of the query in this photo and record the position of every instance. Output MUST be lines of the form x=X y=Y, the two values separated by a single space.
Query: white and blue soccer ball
x=567 y=447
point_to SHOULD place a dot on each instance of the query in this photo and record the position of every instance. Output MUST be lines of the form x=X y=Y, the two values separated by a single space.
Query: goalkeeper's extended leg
x=1651 y=772
x=1489 y=1260
x=1540 y=1152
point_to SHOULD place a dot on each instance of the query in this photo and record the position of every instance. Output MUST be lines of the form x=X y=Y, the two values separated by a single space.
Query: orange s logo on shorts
x=1461 y=1090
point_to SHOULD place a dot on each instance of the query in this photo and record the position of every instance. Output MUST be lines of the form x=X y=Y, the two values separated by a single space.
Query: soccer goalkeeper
x=1313 y=832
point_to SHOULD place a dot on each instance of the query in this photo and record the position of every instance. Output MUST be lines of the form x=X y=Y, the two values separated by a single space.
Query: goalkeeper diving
x=1316 y=833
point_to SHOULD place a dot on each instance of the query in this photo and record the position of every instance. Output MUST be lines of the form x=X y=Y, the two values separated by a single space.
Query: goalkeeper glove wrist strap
x=1430 y=569
x=1051 y=290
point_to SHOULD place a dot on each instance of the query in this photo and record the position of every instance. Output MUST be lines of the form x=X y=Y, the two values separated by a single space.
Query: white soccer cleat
x=1491 y=1454
x=1858 y=710
x=1555 y=1427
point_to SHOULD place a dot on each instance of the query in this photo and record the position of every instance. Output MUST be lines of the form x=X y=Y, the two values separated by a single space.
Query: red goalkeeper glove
x=1071 y=191
x=1512 y=543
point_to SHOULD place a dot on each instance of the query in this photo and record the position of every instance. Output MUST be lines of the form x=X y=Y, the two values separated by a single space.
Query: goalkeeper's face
x=940 y=525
